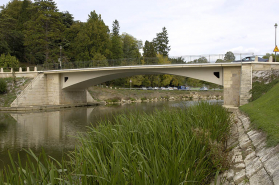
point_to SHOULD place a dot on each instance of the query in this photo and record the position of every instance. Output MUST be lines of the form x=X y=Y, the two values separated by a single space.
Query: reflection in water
x=55 y=130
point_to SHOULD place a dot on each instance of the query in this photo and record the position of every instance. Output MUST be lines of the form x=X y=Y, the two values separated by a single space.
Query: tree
x=161 y=42
x=131 y=46
x=92 y=39
x=43 y=32
x=219 y=61
x=267 y=55
x=149 y=53
x=179 y=60
x=11 y=37
x=116 y=42
x=199 y=60
x=8 y=61
x=67 y=19
x=229 y=57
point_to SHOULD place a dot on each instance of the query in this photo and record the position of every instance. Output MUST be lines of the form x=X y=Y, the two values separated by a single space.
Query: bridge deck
x=149 y=67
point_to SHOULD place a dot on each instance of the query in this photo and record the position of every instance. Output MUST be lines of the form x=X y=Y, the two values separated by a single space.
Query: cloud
x=241 y=49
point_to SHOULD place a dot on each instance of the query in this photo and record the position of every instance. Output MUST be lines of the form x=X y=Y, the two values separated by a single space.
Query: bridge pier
x=57 y=96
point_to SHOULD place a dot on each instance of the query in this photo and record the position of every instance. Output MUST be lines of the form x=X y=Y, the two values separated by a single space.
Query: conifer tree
x=116 y=43
x=43 y=32
x=93 y=40
x=149 y=53
x=161 y=42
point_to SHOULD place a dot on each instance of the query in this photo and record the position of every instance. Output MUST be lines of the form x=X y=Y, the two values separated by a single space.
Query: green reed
x=172 y=146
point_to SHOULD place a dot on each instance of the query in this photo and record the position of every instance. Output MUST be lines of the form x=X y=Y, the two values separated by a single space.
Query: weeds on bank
x=172 y=146
x=260 y=88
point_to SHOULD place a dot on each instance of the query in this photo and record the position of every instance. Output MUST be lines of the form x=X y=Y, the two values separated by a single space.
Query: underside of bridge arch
x=82 y=80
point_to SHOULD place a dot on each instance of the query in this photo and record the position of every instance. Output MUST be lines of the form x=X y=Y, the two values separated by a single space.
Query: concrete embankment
x=252 y=163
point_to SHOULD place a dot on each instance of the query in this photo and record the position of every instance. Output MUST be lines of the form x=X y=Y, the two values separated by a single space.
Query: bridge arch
x=84 y=78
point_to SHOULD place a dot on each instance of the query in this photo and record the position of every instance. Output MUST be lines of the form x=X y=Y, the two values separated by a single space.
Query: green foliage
x=263 y=113
x=179 y=60
x=113 y=100
x=260 y=88
x=161 y=42
x=130 y=46
x=199 y=60
x=229 y=57
x=8 y=61
x=93 y=39
x=267 y=55
x=143 y=98
x=43 y=32
x=173 y=146
x=67 y=19
x=116 y=42
x=3 y=86
x=219 y=61
x=149 y=53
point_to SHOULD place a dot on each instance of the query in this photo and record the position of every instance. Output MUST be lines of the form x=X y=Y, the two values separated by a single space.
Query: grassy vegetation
x=263 y=113
x=177 y=146
x=113 y=100
x=260 y=88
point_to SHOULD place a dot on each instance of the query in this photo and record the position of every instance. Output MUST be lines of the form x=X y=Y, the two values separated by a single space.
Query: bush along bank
x=176 y=146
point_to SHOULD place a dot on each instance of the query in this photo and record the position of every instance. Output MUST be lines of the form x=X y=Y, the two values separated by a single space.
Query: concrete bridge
x=69 y=86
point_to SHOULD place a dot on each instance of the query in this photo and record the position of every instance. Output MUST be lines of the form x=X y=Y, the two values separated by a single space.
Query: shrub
x=3 y=86
x=143 y=98
x=114 y=100
x=8 y=61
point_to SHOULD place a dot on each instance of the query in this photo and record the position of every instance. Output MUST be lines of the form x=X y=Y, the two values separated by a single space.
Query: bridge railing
x=186 y=59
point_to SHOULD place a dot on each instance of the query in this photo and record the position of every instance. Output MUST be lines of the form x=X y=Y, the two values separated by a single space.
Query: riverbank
x=112 y=95
x=49 y=107
x=252 y=162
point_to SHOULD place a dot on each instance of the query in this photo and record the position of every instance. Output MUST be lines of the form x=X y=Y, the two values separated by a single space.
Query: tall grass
x=173 y=146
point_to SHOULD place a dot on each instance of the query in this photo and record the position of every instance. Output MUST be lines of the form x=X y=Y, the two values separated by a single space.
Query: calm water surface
x=55 y=131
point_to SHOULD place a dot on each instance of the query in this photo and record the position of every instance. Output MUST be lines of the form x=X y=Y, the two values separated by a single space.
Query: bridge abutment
x=46 y=90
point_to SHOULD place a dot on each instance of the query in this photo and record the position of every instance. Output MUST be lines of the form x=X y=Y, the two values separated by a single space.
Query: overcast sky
x=194 y=26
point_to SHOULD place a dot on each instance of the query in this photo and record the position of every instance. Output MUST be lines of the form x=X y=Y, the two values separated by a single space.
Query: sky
x=194 y=26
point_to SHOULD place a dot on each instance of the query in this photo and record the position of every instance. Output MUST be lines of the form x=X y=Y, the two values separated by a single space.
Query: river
x=55 y=131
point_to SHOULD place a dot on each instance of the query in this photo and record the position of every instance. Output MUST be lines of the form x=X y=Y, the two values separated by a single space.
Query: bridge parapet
x=19 y=72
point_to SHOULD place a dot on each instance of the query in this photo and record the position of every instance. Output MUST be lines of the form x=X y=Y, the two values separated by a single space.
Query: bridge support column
x=246 y=84
x=57 y=96
x=231 y=81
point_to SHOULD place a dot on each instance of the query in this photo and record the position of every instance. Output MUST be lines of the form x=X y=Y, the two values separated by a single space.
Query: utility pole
x=60 y=57
x=275 y=39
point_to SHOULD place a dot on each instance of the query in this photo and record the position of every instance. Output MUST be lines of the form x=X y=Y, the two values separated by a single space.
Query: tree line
x=38 y=33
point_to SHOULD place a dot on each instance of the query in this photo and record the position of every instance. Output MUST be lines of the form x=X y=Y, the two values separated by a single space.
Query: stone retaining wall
x=252 y=163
